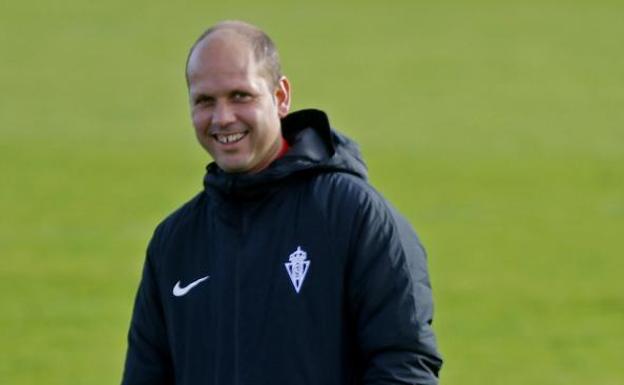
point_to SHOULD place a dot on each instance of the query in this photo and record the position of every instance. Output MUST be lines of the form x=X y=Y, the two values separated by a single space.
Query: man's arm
x=148 y=359
x=391 y=301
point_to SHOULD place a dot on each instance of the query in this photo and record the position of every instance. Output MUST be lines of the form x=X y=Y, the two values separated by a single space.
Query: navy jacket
x=300 y=274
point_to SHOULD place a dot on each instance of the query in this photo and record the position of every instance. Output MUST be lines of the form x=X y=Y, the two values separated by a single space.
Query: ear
x=282 y=97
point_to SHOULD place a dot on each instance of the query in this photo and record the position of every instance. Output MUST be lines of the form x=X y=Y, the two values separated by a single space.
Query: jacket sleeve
x=390 y=299
x=148 y=358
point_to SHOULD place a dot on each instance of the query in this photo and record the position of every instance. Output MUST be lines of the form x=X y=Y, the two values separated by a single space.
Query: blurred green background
x=497 y=128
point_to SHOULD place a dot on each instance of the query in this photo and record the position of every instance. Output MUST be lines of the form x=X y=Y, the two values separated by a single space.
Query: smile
x=230 y=138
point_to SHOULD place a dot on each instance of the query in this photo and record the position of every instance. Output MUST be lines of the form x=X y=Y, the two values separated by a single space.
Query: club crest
x=297 y=267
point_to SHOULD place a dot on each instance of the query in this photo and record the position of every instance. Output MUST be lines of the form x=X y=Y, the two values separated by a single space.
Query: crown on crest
x=298 y=256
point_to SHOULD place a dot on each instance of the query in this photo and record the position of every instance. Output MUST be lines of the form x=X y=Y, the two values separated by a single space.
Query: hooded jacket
x=301 y=274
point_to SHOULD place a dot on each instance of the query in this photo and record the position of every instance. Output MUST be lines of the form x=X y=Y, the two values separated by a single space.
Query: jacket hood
x=314 y=148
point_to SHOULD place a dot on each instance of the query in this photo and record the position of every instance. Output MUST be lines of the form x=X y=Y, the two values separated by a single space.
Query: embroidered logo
x=181 y=291
x=297 y=268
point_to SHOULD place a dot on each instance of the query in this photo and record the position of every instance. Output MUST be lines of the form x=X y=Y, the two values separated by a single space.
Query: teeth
x=231 y=138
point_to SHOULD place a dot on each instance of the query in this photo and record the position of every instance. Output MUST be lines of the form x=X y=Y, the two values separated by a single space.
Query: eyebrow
x=201 y=96
x=230 y=93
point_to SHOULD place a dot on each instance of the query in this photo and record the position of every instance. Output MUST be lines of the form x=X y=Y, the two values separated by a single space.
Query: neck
x=278 y=149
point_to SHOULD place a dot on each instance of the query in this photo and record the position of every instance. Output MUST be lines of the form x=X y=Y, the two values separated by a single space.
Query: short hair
x=265 y=52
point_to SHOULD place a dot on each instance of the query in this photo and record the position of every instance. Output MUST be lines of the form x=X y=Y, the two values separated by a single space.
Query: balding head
x=237 y=32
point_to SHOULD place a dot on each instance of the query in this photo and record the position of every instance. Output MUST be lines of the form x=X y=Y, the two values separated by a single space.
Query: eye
x=203 y=100
x=241 y=96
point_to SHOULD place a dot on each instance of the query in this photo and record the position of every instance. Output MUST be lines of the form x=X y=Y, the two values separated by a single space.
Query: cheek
x=200 y=119
x=246 y=115
x=263 y=116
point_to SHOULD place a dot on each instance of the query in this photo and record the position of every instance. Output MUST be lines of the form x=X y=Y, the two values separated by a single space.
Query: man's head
x=237 y=96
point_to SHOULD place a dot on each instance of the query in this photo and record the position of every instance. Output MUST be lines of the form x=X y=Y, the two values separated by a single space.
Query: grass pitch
x=496 y=128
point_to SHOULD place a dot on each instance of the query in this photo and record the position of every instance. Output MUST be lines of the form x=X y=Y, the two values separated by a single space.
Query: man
x=289 y=268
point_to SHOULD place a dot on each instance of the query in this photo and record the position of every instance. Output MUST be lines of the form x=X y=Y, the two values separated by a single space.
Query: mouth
x=230 y=138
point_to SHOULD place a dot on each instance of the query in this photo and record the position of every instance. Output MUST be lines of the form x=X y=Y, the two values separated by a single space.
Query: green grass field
x=496 y=128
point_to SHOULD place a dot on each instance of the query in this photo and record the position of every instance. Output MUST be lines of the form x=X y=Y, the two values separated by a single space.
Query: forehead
x=222 y=55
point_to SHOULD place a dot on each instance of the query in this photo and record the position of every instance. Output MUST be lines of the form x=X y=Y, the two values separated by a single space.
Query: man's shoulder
x=343 y=183
x=351 y=185
x=353 y=195
x=347 y=193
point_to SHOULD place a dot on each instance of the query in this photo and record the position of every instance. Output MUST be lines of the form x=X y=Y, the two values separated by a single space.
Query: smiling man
x=236 y=102
x=288 y=268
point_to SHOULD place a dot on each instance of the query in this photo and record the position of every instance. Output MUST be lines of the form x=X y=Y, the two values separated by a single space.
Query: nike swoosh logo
x=180 y=291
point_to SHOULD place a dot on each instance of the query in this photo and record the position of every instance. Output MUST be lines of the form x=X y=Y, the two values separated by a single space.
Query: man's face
x=235 y=110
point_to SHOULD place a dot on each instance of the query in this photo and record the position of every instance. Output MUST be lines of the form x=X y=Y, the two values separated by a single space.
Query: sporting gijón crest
x=297 y=267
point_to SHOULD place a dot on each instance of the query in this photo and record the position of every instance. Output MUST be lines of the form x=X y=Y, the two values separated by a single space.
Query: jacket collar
x=313 y=147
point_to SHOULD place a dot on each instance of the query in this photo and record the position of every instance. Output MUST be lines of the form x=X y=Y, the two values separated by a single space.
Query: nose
x=222 y=115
